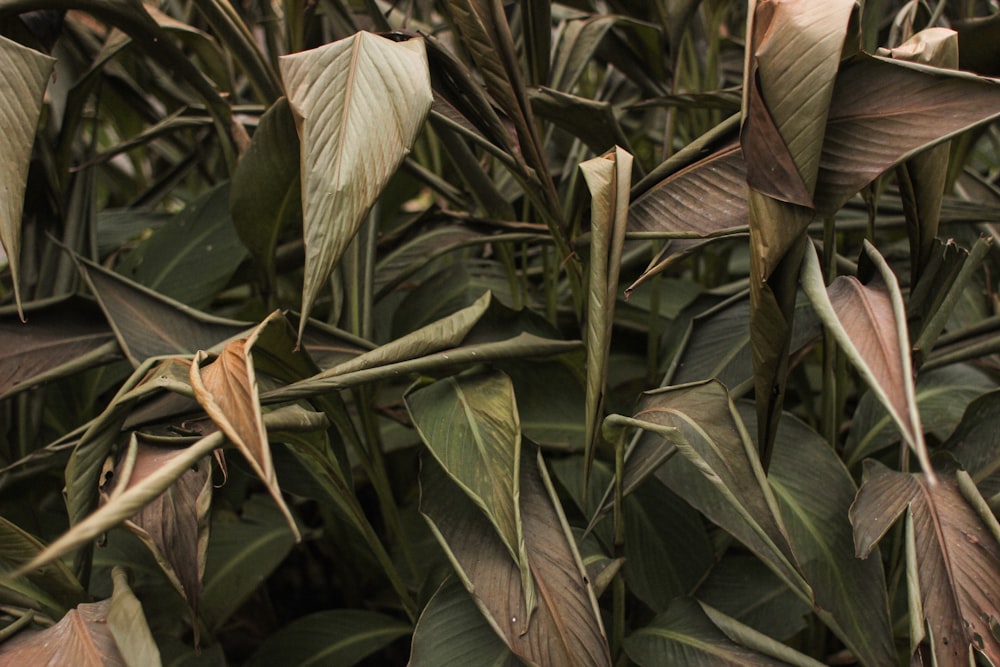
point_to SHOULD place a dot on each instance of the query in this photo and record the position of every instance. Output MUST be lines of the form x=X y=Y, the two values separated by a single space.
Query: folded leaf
x=358 y=105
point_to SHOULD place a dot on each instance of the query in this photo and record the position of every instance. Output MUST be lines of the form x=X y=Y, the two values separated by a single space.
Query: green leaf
x=54 y=588
x=815 y=492
x=942 y=396
x=128 y=626
x=742 y=587
x=974 y=440
x=358 y=105
x=147 y=324
x=266 y=192
x=471 y=426
x=193 y=256
x=656 y=521
x=566 y=628
x=58 y=340
x=256 y=543
x=26 y=73
x=608 y=178
x=340 y=637
x=720 y=474
x=685 y=636
x=451 y=614
x=869 y=324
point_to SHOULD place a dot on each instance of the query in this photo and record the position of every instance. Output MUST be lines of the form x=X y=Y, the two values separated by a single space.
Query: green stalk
x=618 y=590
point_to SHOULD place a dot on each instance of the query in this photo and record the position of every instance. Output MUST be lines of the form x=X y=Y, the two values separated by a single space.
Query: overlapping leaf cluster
x=468 y=332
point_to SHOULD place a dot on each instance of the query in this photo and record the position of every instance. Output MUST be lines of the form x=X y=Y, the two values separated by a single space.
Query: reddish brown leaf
x=175 y=525
x=82 y=639
x=957 y=558
x=227 y=390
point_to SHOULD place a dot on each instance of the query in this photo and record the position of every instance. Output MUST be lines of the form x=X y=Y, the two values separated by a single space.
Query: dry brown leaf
x=82 y=639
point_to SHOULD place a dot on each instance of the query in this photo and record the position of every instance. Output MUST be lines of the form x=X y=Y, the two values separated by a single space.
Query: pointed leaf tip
x=358 y=105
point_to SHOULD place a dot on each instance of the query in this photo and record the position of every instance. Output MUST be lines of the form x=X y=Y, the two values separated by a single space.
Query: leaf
x=227 y=389
x=942 y=397
x=53 y=589
x=608 y=178
x=59 y=339
x=265 y=198
x=886 y=111
x=922 y=178
x=81 y=638
x=26 y=73
x=973 y=441
x=128 y=626
x=793 y=58
x=174 y=526
x=656 y=521
x=566 y=628
x=358 y=105
x=127 y=503
x=951 y=555
x=193 y=256
x=342 y=637
x=452 y=614
x=470 y=424
x=147 y=324
x=742 y=587
x=685 y=636
x=593 y=122
x=256 y=543
x=719 y=473
x=815 y=492
x=869 y=324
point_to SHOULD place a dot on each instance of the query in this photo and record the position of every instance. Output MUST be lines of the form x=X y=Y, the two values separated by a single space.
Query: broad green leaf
x=150 y=325
x=656 y=523
x=686 y=636
x=26 y=73
x=174 y=526
x=257 y=542
x=470 y=424
x=358 y=105
x=718 y=345
x=336 y=638
x=451 y=614
x=550 y=398
x=953 y=561
x=974 y=440
x=58 y=340
x=454 y=287
x=869 y=324
x=81 y=638
x=54 y=588
x=609 y=179
x=413 y=255
x=192 y=257
x=815 y=492
x=742 y=587
x=942 y=396
x=128 y=626
x=566 y=628
x=227 y=389
x=719 y=472
x=266 y=192
x=595 y=123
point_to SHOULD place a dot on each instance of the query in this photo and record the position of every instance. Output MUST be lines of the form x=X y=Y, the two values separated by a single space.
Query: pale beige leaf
x=358 y=105
x=25 y=75
x=82 y=639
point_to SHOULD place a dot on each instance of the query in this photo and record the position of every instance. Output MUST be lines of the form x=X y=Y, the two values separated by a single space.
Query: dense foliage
x=467 y=332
